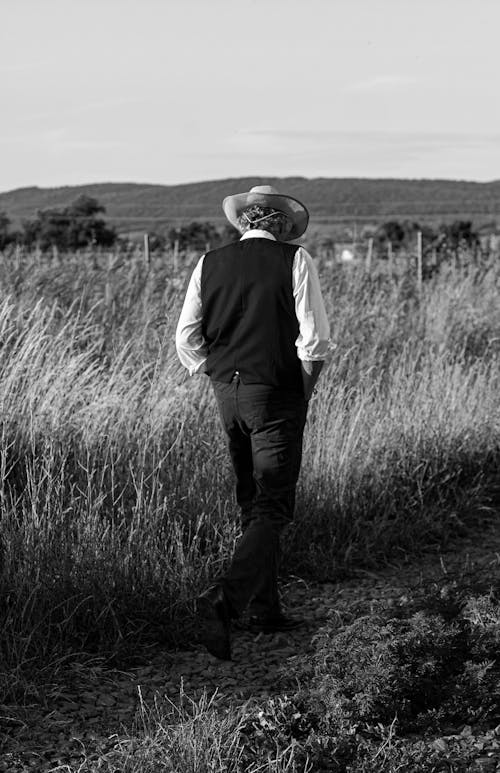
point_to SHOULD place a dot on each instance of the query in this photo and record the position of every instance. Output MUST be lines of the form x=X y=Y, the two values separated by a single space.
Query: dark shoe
x=215 y=624
x=273 y=623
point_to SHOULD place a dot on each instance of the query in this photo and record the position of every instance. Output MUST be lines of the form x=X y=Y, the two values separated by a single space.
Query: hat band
x=264 y=217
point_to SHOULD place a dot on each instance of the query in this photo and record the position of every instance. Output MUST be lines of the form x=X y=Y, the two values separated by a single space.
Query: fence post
x=419 y=261
x=389 y=256
x=368 y=262
x=176 y=256
x=108 y=287
x=146 y=249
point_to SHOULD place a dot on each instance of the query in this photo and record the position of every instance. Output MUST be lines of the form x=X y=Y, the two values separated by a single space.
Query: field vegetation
x=117 y=505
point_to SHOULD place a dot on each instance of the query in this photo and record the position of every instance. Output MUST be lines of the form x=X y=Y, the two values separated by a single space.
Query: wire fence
x=362 y=254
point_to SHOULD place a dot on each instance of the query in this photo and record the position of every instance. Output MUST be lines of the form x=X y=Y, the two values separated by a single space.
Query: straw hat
x=267 y=196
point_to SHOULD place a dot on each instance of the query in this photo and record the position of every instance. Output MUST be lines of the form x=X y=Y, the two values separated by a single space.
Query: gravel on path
x=94 y=708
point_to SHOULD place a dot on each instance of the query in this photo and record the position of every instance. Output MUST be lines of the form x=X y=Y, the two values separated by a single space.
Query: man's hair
x=265 y=218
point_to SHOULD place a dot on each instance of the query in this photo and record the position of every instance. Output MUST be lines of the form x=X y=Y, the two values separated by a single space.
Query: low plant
x=193 y=736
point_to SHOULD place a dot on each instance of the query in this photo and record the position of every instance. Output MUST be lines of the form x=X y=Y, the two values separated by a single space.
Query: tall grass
x=403 y=444
x=116 y=493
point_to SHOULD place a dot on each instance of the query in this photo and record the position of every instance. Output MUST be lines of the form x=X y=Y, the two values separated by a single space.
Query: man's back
x=248 y=307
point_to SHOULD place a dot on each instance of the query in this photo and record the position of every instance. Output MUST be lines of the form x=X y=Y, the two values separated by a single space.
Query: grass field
x=116 y=493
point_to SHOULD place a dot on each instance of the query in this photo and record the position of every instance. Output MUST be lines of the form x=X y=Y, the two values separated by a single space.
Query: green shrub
x=389 y=674
x=380 y=669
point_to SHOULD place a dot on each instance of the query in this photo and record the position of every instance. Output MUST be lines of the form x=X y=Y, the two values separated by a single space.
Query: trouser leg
x=277 y=454
x=264 y=430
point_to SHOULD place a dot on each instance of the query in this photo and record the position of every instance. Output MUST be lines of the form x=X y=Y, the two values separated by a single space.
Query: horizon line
x=248 y=176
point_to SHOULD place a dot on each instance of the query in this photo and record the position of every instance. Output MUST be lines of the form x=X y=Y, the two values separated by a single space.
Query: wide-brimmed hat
x=267 y=196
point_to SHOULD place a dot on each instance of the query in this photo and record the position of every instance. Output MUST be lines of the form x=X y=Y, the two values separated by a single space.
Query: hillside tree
x=5 y=235
x=195 y=235
x=73 y=227
x=458 y=235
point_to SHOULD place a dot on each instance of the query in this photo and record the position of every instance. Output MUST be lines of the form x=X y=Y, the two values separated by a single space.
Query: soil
x=92 y=708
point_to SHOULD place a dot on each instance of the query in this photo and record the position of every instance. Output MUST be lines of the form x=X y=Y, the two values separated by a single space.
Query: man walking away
x=254 y=321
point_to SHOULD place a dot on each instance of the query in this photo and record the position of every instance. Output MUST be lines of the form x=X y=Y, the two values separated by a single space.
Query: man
x=254 y=321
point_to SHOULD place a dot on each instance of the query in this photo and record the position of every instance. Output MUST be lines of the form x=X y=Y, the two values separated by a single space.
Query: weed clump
x=422 y=668
x=378 y=669
x=397 y=689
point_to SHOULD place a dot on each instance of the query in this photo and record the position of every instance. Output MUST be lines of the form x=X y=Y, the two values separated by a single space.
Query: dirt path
x=91 y=709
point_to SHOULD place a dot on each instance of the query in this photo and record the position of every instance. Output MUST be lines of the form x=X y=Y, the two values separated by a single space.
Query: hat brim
x=233 y=207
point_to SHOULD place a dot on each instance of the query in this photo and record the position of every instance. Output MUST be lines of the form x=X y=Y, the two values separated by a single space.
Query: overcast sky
x=170 y=91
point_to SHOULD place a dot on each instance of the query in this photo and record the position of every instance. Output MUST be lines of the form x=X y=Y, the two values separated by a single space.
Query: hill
x=135 y=205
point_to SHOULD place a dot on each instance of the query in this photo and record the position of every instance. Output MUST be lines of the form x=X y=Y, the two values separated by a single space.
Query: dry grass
x=195 y=736
x=116 y=493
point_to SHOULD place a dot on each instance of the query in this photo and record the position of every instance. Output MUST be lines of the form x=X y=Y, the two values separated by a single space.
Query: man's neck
x=258 y=233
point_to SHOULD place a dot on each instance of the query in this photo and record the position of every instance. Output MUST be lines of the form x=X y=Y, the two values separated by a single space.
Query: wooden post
x=419 y=261
x=368 y=263
x=146 y=249
x=176 y=256
x=108 y=287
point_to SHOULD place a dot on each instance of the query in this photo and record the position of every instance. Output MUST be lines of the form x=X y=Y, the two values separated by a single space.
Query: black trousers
x=264 y=427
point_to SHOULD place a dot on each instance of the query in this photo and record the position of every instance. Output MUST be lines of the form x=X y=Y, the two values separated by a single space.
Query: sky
x=173 y=91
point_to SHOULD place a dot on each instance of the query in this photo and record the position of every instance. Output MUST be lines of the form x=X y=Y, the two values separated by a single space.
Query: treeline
x=78 y=225
x=81 y=224
x=200 y=236
x=401 y=236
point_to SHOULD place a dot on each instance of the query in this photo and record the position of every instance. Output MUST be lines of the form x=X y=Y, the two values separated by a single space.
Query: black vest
x=248 y=313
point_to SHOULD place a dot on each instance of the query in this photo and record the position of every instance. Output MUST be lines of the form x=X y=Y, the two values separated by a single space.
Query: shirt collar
x=257 y=233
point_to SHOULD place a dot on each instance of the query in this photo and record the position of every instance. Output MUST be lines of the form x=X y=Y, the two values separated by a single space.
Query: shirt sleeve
x=313 y=341
x=189 y=342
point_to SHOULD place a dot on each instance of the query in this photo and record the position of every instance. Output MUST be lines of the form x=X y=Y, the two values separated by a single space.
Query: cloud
x=81 y=108
x=332 y=153
x=58 y=141
x=383 y=83
x=18 y=67
x=297 y=141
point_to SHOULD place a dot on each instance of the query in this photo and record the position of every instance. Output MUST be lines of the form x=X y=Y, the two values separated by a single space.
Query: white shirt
x=313 y=340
